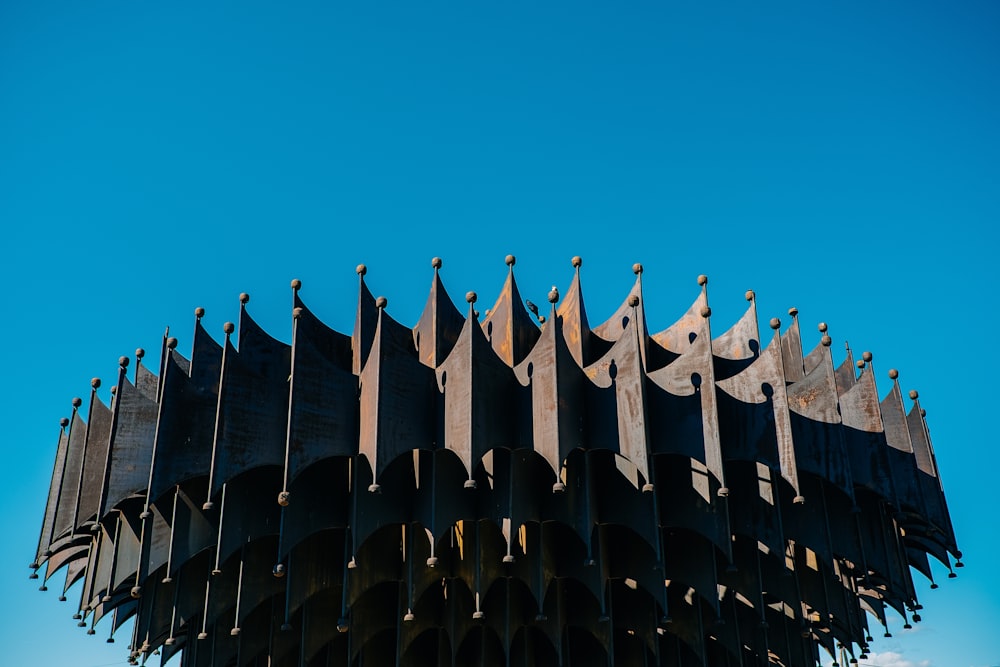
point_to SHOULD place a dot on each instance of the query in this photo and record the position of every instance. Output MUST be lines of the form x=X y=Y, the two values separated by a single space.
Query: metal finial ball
x=822 y=327
x=95 y=383
x=278 y=570
x=826 y=340
x=77 y=402
x=750 y=295
x=436 y=262
x=296 y=284
x=893 y=374
x=244 y=298
x=775 y=323
x=199 y=312
x=541 y=319
x=914 y=395
x=706 y=311
x=228 y=328
x=139 y=353
x=123 y=361
x=553 y=294
x=64 y=422
x=171 y=343
x=342 y=625
x=577 y=261
x=408 y=617
x=510 y=260
x=284 y=498
x=860 y=363
x=296 y=313
x=703 y=280
x=867 y=356
x=633 y=301
x=793 y=311
x=637 y=268
x=381 y=302
x=361 y=269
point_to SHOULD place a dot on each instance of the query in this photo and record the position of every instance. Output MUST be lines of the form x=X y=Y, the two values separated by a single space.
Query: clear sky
x=841 y=157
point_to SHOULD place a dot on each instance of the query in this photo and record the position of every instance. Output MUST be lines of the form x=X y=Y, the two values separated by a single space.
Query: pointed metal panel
x=397 y=398
x=736 y=349
x=69 y=489
x=762 y=383
x=51 y=505
x=816 y=424
x=323 y=410
x=440 y=324
x=365 y=322
x=557 y=384
x=479 y=392
x=621 y=369
x=252 y=416
x=95 y=463
x=131 y=445
x=185 y=428
x=691 y=374
x=932 y=491
x=508 y=326
x=791 y=350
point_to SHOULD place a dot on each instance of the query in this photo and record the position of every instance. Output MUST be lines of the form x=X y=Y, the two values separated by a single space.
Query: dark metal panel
x=131 y=445
x=323 y=410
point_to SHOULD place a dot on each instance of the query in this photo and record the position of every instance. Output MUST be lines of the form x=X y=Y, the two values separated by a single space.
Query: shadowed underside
x=515 y=489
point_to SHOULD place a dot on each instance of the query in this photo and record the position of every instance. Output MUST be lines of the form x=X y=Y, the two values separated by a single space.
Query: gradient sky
x=842 y=157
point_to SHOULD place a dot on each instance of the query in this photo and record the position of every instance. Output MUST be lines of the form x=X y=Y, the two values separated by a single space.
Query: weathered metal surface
x=496 y=492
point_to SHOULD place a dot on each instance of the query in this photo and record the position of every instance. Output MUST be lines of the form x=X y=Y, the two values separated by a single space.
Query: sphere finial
x=64 y=422
x=171 y=343
x=703 y=280
x=510 y=260
x=793 y=311
x=95 y=383
x=199 y=312
x=77 y=402
x=914 y=395
x=123 y=361
x=553 y=294
x=867 y=356
x=244 y=298
x=577 y=261
x=633 y=301
x=706 y=311
x=381 y=302
x=775 y=323
x=893 y=374
x=139 y=353
x=470 y=297
x=361 y=269
x=436 y=262
x=637 y=268
x=822 y=327
x=750 y=296
x=296 y=284
x=228 y=328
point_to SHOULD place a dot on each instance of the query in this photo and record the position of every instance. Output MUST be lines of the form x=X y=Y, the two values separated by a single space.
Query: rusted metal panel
x=496 y=492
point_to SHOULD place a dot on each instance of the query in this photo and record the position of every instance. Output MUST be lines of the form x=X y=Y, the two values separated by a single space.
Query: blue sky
x=837 y=157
